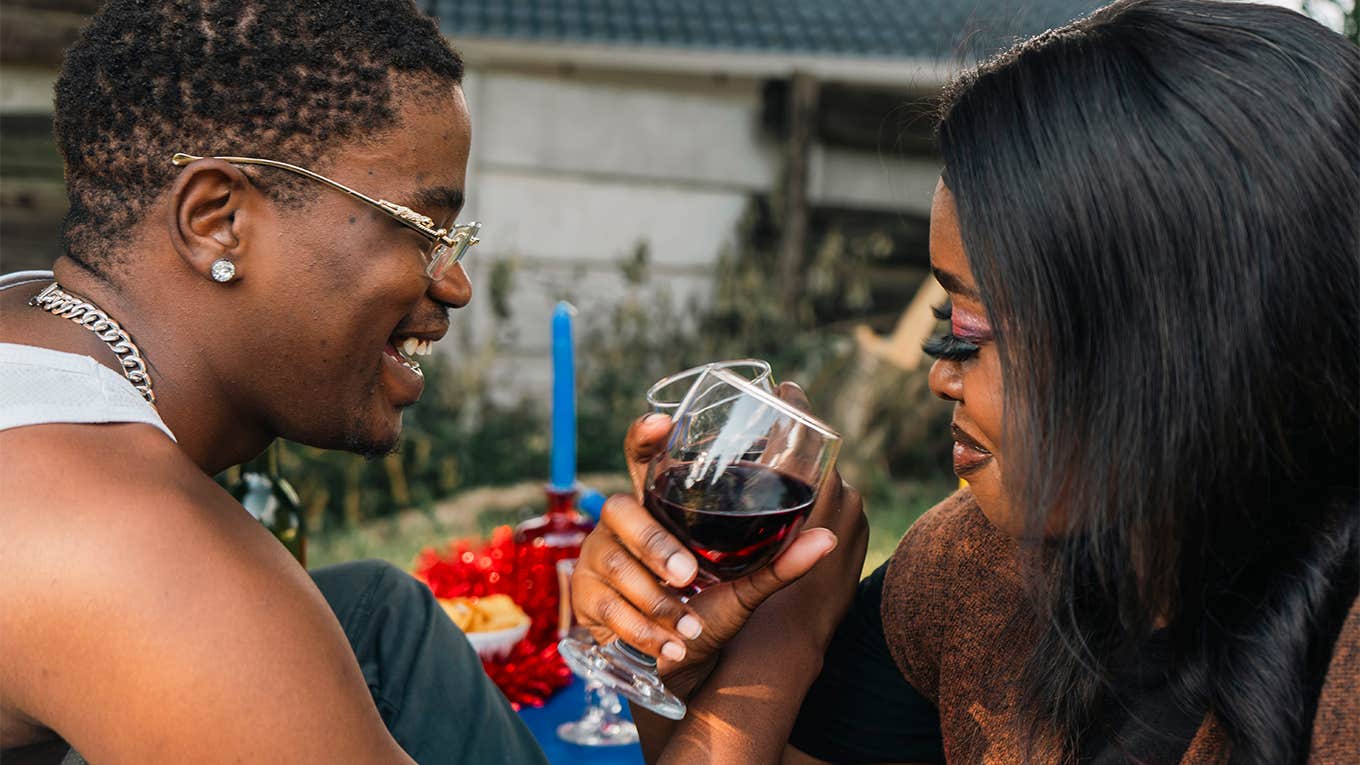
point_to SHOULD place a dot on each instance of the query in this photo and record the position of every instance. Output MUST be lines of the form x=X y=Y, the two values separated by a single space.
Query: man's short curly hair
x=285 y=79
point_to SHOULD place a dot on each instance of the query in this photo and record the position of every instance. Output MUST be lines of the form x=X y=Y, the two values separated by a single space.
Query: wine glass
x=600 y=724
x=740 y=472
x=666 y=394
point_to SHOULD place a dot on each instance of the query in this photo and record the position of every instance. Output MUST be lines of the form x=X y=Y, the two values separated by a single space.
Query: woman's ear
x=208 y=203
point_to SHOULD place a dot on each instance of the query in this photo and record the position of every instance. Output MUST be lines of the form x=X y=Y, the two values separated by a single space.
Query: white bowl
x=497 y=644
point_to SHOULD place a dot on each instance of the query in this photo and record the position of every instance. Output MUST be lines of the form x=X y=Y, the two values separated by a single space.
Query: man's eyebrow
x=954 y=284
x=435 y=198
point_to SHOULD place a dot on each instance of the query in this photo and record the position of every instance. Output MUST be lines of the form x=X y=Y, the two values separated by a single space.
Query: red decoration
x=530 y=674
x=471 y=568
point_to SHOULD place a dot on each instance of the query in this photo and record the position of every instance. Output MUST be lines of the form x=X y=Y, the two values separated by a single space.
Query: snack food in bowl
x=492 y=624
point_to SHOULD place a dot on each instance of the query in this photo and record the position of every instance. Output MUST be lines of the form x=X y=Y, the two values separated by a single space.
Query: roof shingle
x=890 y=29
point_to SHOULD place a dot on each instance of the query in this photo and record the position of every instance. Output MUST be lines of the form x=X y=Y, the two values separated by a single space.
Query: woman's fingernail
x=681 y=567
x=654 y=417
x=689 y=626
x=673 y=651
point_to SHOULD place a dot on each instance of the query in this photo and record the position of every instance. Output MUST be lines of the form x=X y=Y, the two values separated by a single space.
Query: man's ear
x=209 y=202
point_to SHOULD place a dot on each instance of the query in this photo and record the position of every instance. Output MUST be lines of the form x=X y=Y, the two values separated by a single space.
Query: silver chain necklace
x=59 y=302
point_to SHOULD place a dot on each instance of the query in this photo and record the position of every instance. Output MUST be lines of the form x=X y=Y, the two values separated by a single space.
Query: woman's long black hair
x=1161 y=205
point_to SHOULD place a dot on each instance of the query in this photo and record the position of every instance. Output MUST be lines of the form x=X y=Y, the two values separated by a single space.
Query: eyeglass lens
x=443 y=256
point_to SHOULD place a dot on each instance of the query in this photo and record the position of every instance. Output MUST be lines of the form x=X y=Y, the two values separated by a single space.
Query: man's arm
x=148 y=618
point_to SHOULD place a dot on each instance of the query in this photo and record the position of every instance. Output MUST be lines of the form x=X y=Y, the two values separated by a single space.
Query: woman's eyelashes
x=948 y=347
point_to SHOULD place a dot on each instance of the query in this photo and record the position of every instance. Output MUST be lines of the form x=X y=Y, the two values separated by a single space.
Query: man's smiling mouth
x=405 y=349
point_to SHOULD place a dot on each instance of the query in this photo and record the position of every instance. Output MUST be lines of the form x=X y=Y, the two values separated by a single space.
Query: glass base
x=624 y=670
x=601 y=724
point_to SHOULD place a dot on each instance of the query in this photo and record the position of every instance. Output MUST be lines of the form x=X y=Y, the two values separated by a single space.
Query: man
x=145 y=617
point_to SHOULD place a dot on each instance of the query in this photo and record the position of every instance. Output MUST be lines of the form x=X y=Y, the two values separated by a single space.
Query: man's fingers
x=622 y=572
x=648 y=541
x=811 y=546
x=793 y=394
x=602 y=606
x=831 y=500
x=646 y=437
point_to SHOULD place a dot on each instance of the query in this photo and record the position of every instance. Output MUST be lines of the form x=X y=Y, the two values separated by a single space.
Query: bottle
x=540 y=543
x=272 y=500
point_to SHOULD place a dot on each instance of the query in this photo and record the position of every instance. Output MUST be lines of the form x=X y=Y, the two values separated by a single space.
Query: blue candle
x=563 y=475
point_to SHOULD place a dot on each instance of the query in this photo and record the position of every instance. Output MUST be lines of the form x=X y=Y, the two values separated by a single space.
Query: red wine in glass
x=734 y=521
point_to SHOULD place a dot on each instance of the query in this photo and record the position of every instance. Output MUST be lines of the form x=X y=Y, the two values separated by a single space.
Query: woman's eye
x=948 y=347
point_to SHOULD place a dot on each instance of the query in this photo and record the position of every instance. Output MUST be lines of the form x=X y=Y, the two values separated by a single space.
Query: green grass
x=892 y=508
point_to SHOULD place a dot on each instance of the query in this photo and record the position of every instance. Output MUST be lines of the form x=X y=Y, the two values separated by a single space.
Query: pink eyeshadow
x=968 y=326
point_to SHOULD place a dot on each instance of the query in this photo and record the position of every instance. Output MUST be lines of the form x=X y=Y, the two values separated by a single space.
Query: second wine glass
x=602 y=723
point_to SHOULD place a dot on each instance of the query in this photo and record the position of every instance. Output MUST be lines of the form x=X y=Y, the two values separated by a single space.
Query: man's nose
x=946 y=380
x=453 y=289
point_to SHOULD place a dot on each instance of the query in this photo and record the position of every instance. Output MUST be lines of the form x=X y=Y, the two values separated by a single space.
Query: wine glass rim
x=695 y=371
x=769 y=399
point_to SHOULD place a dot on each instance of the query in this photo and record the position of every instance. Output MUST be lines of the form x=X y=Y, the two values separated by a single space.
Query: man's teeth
x=414 y=346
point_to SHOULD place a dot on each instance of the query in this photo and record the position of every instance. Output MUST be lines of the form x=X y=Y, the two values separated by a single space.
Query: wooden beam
x=794 y=235
x=38 y=37
x=87 y=7
x=902 y=348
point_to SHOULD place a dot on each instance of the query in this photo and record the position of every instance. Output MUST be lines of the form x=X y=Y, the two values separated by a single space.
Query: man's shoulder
x=127 y=577
x=105 y=464
x=90 y=508
x=85 y=504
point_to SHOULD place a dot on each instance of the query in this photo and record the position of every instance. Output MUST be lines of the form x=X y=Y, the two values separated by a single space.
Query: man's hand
x=618 y=588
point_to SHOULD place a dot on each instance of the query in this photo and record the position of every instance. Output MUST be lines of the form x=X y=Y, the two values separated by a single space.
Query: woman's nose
x=453 y=289
x=945 y=380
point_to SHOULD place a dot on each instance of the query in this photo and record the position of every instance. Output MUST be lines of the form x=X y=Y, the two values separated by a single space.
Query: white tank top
x=39 y=386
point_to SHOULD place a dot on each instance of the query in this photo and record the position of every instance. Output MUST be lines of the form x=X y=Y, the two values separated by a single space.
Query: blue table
x=564 y=706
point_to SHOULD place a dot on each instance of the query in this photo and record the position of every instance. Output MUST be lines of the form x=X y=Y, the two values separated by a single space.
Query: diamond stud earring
x=223 y=270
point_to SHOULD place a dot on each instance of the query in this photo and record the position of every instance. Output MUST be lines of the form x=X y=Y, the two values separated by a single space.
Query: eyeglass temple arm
x=406 y=215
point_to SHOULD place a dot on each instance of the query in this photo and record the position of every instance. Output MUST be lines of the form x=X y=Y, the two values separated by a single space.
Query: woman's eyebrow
x=954 y=284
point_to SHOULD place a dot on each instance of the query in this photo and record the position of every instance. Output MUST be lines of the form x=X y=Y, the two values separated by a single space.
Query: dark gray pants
x=425 y=678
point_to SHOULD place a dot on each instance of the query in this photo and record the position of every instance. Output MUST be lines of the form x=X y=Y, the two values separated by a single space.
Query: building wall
x=571 y=171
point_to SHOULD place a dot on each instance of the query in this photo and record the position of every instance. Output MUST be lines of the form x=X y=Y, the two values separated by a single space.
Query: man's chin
x=372 y=447
x=373 y=439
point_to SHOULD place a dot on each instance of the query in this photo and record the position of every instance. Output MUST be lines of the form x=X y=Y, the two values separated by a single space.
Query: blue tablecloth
x=566 y=705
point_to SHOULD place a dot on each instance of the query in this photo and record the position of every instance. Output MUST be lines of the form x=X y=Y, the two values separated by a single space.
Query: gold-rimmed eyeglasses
x=447 y=246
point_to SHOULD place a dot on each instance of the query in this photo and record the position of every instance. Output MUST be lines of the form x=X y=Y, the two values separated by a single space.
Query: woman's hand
x=618 y=588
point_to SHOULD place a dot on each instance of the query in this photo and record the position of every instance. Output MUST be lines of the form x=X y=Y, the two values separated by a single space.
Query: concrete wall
x=571 y=171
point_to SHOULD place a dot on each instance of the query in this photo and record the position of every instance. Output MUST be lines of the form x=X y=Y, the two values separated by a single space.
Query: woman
x=1146 y=225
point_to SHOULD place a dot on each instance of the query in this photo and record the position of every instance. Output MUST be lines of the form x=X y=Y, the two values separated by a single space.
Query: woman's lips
x=969 y=455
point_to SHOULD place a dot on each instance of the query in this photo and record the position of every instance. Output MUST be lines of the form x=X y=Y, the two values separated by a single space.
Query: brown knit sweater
x=957 y=623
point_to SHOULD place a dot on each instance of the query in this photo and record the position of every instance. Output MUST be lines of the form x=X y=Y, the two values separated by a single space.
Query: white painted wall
x=26 y=89
x=570 y=174
x=703 y=135
x=570 y=171
x=871 y=181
